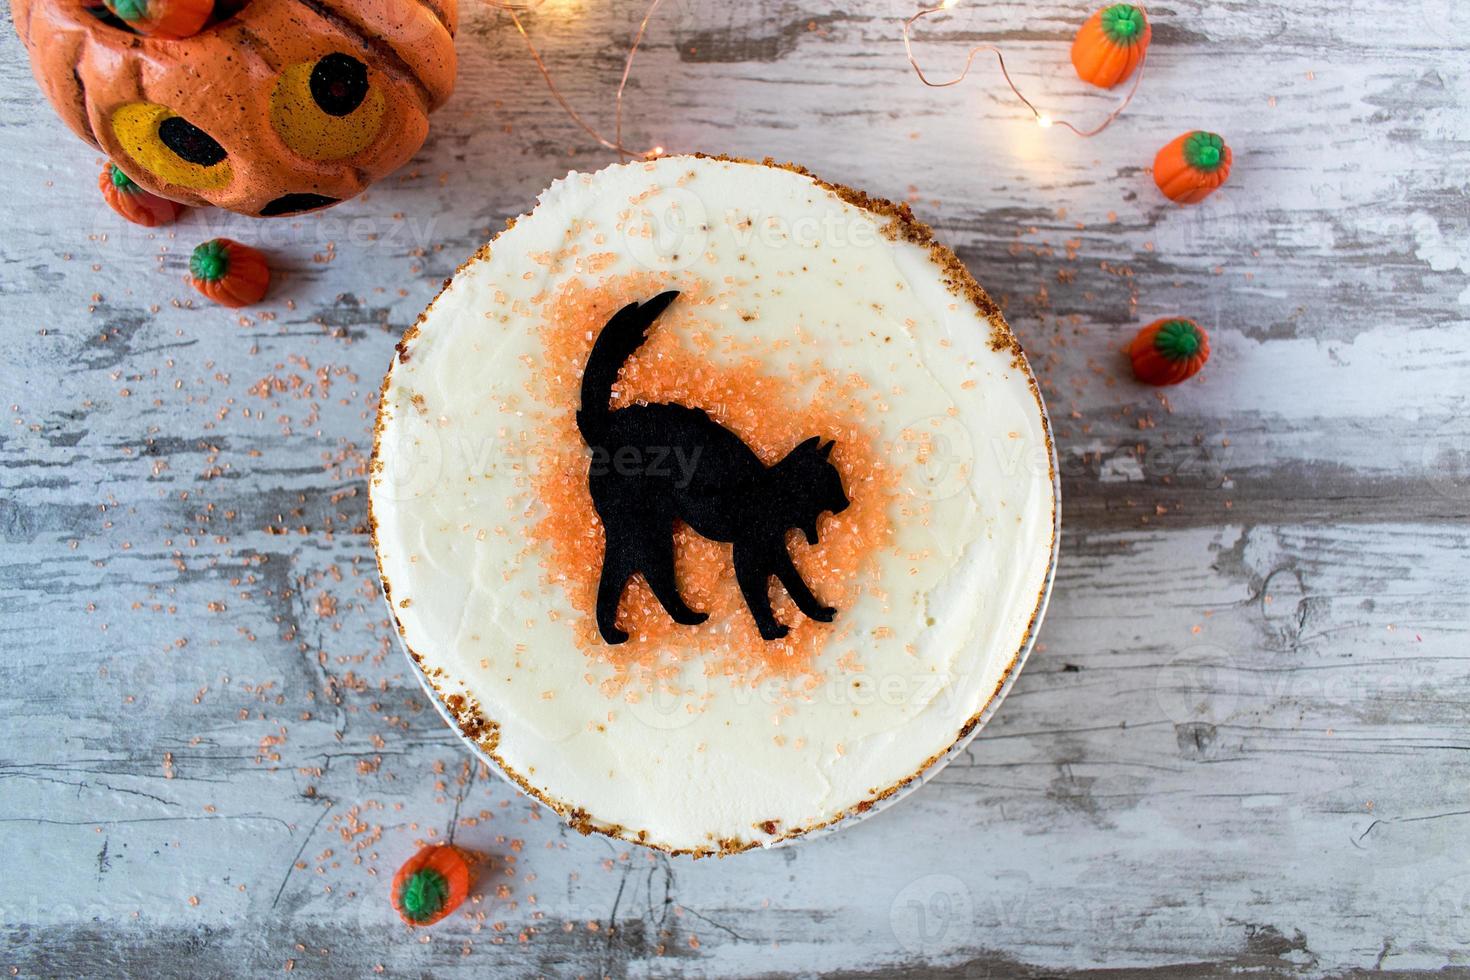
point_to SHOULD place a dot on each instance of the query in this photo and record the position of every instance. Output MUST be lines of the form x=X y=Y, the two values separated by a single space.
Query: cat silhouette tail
x=622 y=335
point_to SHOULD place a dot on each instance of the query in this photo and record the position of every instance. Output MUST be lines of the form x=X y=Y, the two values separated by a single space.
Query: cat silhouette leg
x=658 y=570
x=617 y=568
x=754 y=578
x=796 y=587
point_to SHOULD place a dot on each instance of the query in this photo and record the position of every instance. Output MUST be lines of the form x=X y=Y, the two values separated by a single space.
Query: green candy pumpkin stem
x=1123 y=23
x=1178 y=340
x=129 y=10
x=1204 y=151
x=120 y=180
x=210 y=261
x=424 y=894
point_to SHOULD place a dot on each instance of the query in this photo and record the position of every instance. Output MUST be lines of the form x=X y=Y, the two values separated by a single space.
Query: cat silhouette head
x=809 y=486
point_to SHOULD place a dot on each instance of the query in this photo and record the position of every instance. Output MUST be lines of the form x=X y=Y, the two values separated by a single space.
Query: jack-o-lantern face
x=279 y=108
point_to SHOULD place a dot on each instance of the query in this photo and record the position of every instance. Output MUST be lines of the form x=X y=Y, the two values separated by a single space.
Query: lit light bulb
x=656 y=151
x=947 y=4
x=1044 y=121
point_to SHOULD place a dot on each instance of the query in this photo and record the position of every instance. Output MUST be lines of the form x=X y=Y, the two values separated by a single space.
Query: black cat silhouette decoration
x=655 y=464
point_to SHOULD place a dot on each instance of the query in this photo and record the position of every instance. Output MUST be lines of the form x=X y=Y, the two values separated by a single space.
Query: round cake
x=716 y=503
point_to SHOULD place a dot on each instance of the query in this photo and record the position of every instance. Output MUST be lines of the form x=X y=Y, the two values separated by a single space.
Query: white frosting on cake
x=699 y=759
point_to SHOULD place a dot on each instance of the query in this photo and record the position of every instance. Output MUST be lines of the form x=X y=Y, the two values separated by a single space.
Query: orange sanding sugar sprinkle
x=772 y=413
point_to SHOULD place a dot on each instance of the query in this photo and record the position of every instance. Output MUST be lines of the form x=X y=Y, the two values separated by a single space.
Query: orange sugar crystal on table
x=772 y=411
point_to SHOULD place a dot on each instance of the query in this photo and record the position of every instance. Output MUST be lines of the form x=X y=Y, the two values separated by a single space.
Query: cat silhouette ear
x=826 y=450
x=811 y=445
x=653 y=307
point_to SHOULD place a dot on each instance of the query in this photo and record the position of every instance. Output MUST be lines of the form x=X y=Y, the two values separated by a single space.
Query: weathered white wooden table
x=1241 y=745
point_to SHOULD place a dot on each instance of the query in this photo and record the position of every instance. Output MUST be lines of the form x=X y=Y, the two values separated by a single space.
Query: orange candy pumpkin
x=431 y=884
x=229 y=273
x=163 y=18
x=1192 y=167
x=273 y=107
x=1111 y=45
x=133 y=202
x=1167 y=352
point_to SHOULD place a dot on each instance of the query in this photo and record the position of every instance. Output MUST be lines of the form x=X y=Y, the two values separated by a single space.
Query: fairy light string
x=1044 y=120
x=615 y=144
x=514 y=10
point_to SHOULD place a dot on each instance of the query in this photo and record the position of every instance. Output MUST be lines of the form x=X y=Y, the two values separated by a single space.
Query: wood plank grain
x=1240 y=747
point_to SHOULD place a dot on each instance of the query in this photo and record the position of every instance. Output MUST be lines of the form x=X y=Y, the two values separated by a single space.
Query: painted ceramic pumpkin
x=275 y=107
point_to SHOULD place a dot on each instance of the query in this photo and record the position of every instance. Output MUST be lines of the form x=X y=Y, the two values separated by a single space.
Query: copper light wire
x=616 y=143
x=1042 y=118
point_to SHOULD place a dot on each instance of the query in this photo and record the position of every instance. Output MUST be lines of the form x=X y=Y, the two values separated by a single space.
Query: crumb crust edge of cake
x=483 y=732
